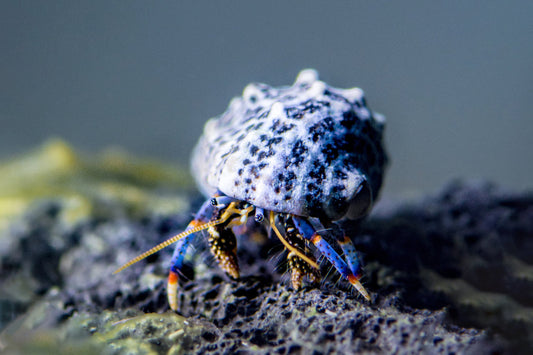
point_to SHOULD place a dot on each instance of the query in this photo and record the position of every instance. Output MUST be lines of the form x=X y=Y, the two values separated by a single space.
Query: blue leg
x=352 y=256
x=204 y=215
x=334 y=258
x=350 y=253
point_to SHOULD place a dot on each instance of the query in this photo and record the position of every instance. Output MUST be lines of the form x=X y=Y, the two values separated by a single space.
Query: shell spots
x=285 y=182
x=274 y=141
x=265 y=154
x=279 y=128
x=253 y=150
x=339 y=174
x=297 y=154
x=318 y=171
x=330 y=152
x=300 y=149
x=348 y=119
x=320 y=128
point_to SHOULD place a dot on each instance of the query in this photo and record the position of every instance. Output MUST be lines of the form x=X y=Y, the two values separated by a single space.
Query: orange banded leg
x=309 y=233
x=219 y=211
x=205 y=213
x=351 y=255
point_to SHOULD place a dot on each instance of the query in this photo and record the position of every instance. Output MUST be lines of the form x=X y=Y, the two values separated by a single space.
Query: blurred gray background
x=453 y=78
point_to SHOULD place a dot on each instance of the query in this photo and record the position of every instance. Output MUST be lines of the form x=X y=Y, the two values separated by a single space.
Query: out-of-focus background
x=454 y=78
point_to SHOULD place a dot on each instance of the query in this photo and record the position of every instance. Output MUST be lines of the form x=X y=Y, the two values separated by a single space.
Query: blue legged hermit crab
x=295 y=158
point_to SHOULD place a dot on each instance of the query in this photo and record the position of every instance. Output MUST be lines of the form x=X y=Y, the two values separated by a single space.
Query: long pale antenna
x=172 y=240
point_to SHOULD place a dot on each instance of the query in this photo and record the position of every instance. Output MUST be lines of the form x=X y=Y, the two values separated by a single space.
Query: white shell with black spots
x=308 y=149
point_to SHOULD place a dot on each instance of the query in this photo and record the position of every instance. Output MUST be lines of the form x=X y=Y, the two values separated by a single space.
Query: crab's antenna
x=288 y=245
x=172 y=240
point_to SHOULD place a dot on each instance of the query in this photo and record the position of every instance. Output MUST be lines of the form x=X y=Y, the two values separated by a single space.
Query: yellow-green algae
x=85 y=186
x=80 y=182
x=124 y=332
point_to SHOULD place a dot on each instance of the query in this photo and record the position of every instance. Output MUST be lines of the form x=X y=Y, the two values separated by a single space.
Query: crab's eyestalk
x=259 y=215
x=221 y=201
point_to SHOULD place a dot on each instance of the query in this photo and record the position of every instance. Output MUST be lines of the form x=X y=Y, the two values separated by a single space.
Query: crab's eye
x=361 y=201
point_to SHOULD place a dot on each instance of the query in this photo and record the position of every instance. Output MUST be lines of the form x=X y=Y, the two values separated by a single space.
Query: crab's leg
x=327 y=250
x=298 y=266
x=227 y=214
x=204 y=215
x=222 y=238
x=224 y=247
x=350 y=253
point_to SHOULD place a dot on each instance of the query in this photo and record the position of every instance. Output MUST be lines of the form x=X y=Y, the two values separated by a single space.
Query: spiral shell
x=308 y=149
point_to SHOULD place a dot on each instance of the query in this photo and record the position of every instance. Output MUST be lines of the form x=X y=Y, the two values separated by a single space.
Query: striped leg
x=218 y=216
x=309 y=233
x=350 y=253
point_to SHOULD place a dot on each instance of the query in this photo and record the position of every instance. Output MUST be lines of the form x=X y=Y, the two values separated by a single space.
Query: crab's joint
x=316 y=238
x=351 y=255
x=194 y=223
x=344 y=241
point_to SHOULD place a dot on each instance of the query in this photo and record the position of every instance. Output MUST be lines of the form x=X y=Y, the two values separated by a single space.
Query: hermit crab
x=295 y=159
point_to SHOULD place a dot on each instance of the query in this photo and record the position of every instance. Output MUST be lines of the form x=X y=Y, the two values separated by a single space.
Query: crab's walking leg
x=334 y=258
x=224 y=213
x=204 y=215
x=299 y=269
x=350 y=253
x=222 y=238
x=298 y=266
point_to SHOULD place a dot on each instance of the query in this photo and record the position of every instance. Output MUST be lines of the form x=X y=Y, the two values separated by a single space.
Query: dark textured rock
x=448 y=274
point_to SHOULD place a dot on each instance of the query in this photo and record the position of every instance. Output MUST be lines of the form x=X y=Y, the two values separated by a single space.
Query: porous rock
x=448 y=274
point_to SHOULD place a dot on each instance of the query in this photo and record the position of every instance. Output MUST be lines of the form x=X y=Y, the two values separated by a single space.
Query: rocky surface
x=452 y=273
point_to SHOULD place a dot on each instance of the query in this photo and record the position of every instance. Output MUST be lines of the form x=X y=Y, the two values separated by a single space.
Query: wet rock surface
x=448 y=274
